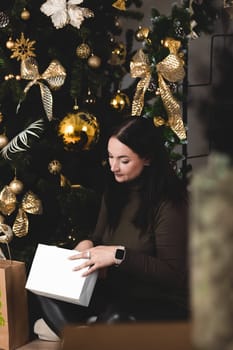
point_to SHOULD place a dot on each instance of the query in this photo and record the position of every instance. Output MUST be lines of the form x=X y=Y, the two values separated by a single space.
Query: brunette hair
x=157 y=182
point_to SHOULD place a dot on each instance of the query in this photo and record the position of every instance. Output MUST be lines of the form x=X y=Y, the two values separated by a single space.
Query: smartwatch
x=119 y=255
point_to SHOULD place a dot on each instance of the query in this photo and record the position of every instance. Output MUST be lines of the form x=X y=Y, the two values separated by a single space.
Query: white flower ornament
x=64 y=12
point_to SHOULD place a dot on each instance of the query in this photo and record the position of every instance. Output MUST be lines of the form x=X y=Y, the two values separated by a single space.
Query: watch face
x=120 y=254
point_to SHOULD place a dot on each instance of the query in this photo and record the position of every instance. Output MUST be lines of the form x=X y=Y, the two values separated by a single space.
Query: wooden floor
x=41 y=345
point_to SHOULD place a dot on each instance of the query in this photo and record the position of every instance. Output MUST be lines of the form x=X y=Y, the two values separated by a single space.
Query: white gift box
x=52 y=275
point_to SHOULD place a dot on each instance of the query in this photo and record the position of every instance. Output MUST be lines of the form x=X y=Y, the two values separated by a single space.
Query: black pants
x=58 y=314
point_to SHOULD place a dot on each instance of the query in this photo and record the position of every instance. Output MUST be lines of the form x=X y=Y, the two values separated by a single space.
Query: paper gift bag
x=52 y=275
x=14 y=327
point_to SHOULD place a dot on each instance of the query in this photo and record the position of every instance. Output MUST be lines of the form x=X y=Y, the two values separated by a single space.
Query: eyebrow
x=122 y=156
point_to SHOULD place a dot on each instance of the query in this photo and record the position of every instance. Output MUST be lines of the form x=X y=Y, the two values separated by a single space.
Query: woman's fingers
x=82 y=255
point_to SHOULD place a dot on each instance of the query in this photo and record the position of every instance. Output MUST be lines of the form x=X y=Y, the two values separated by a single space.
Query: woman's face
x=125 y=164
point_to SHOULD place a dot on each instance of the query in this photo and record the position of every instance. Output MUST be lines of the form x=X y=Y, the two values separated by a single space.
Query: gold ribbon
x=140 y=68
x=54 y=75
x=31 y=204
x=171 y=68
x=120 y=5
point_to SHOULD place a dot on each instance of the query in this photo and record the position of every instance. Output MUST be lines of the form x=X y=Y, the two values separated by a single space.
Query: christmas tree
x=162 y=63
x=61 y=67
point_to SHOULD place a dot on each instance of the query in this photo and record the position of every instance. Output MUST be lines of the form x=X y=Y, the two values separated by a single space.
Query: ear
x=146 y=162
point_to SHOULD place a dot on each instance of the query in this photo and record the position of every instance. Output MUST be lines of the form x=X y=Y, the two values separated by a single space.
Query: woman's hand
x=84 y=245
x=96 y=258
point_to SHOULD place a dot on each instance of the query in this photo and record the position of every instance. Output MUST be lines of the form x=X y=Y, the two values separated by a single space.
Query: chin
x=120 y=178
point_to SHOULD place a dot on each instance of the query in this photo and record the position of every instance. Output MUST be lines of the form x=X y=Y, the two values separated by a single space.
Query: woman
x=140 y=242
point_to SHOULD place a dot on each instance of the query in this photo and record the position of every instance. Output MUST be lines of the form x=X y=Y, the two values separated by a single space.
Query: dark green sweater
x=155 y=266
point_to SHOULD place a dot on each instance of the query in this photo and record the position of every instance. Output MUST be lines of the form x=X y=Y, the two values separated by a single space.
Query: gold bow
x=6 y=233
x=7 y=201
x=171 y=68
x=120 y=5
x=140 y=68
x=31 y=204
x=54 y=75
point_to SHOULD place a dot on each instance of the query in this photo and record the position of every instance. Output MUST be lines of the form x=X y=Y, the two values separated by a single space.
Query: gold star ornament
x=23 y=48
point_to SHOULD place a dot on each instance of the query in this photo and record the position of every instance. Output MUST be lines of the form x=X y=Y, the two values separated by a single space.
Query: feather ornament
x=20 y=142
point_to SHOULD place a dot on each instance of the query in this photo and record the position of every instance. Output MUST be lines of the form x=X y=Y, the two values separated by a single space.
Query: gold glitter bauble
x=16 y=186
x=25 y=15
x=83 y=51
x=3 y=141
x=120 y=101
x=55 y=167
x=10 y=44
x=94 y=61
x=80 y=131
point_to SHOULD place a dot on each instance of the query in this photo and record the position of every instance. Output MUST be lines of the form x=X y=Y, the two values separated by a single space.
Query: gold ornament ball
x=118 y=54
x=54 y=167
x=142 y=33
x=159 y=121
x=118 y=23
x=3 y=141
x=25 y=15
x=10 y=44
x=83 y=51
x=120 y=101
x=94 y=61
x=16 y=186
x=80 y=131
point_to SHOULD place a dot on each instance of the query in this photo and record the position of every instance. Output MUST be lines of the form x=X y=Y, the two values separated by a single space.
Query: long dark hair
x=157 y=182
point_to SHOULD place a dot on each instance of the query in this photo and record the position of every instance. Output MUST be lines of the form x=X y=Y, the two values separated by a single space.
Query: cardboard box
x=52 y=275
x=131 y=336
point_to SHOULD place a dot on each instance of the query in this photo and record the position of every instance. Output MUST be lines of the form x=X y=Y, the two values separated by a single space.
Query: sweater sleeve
x=168 y=267
x=96 y=237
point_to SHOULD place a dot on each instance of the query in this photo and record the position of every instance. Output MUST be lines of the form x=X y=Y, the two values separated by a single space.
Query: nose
x=114 y=165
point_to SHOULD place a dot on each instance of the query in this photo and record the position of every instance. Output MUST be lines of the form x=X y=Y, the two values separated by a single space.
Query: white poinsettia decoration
x=63 y=12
